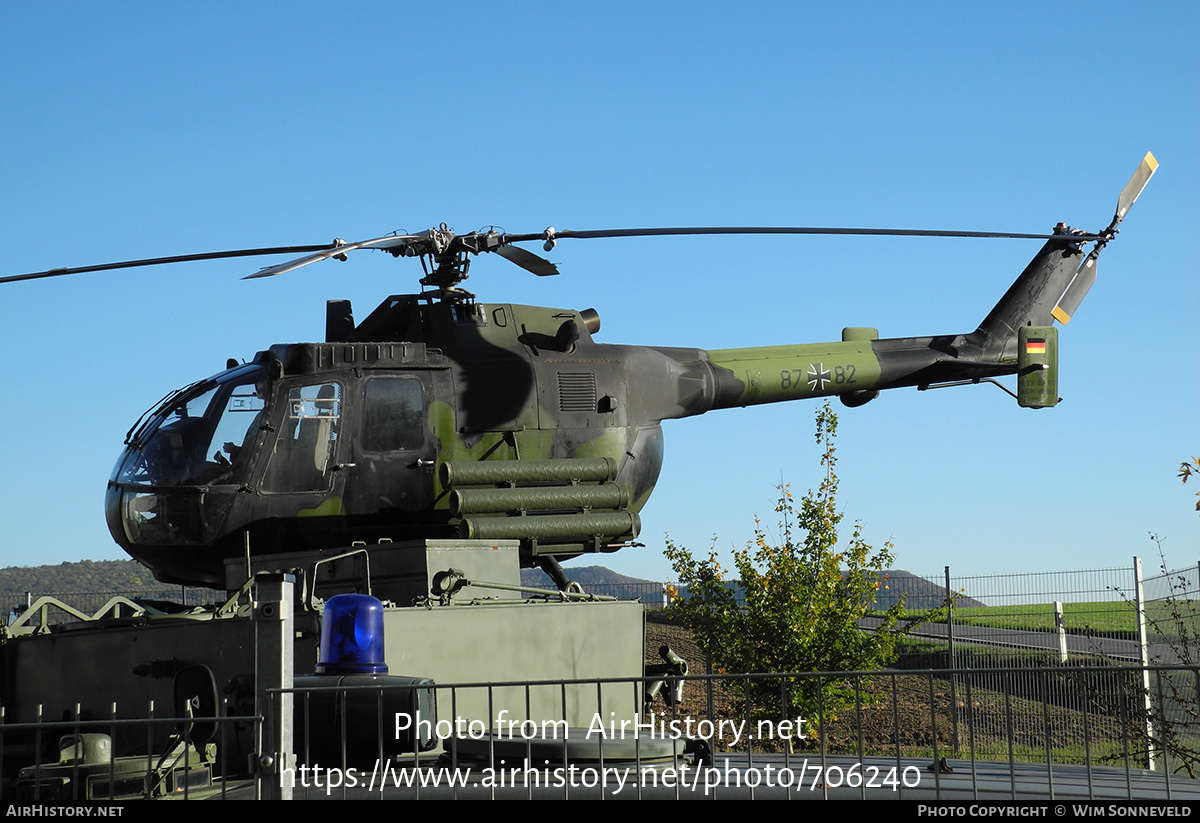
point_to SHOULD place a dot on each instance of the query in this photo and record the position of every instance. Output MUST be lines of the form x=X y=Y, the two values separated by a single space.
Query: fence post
x=1139 y=599
x=950 y=649
x=949 y=617
x=274 y=664
x=1060 y=626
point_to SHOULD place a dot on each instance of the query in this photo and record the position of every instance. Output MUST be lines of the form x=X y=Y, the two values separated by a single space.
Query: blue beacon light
x=352 y=636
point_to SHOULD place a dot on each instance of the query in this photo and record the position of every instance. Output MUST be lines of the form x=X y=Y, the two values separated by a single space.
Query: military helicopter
x=440 y=416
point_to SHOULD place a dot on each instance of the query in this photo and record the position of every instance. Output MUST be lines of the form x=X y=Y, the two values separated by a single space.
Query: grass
x=1116 y=619
x=1107 y=619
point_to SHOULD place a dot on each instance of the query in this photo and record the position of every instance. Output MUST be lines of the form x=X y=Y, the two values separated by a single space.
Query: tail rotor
x=1085 y=275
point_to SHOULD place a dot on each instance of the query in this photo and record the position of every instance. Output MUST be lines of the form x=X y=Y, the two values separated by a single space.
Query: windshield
x=201 y=437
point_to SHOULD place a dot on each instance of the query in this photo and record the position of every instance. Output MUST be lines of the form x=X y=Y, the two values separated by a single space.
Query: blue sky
x=135 y=131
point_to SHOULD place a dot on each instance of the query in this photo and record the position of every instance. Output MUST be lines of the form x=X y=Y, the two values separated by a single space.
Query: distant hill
x=127 y=575
x=584 y=575
x=83 y=576
x=918 y=592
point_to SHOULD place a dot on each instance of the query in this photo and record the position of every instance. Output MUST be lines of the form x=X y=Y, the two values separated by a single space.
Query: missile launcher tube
x=551 y=527
x=545 y=498
x=493 y=472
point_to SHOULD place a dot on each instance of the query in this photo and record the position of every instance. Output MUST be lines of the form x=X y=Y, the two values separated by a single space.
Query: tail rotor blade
x=1085 y=275
x=1133 y=188
x=1077 y=289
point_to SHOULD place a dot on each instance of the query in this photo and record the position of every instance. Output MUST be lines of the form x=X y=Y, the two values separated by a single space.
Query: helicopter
x=438 y=416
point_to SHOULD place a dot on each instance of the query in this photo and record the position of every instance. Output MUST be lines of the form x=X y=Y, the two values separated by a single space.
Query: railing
x=869 y=734
x=48 y=610
x=1045 y=728
x=1021 y=619
x=1011 y=736
x=133 y=755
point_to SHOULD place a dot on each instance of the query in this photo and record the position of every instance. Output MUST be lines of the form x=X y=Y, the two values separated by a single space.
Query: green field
x=1109 y=619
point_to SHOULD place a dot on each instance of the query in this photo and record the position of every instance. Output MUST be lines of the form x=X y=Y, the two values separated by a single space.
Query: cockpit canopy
x=199 y=436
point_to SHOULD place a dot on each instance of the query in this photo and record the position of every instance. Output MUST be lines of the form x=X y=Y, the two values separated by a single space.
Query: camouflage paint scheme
x=501 y=382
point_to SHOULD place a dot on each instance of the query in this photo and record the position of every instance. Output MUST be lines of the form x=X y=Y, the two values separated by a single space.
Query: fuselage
x=368 y=436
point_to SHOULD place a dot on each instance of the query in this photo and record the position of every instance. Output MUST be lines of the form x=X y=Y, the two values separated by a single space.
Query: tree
x=804 y=598
x=1189 y=469
x=1161 y=710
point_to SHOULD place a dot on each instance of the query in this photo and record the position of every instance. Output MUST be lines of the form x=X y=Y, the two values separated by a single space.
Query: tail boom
x=856 y=369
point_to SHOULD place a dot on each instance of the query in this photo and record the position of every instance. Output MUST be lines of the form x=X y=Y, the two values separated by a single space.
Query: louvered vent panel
x=576 y=391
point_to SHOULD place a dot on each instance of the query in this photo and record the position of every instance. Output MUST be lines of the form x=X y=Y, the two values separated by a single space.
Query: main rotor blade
x=155 y=261
x=1133 y=188
x=527 y=260
x=334 y=250
x=554 y=234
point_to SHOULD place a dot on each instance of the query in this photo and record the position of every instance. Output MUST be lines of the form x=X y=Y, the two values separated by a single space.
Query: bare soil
x=906 y=712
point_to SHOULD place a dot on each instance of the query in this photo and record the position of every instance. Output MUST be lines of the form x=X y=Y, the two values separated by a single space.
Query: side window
x=395 y=415
x=304 y=447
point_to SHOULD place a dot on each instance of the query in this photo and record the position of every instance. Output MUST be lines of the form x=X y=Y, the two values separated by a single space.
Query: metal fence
x=834 y=735
x=997 y=620
x=1068 y=632
x=1081 y=616
x=1031 y=619
x=652 y=595
x=131 y=755
x=1012 y=619
x=994 y=694
x=888 y=734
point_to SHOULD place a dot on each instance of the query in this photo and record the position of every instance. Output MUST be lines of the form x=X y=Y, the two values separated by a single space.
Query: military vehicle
x=437 y=444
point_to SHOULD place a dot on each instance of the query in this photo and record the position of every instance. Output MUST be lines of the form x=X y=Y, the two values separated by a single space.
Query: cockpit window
x=304 y=448
x=201 y=437
x=395 y=418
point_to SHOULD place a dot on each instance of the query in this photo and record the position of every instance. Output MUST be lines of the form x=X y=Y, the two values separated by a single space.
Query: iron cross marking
x=818 y=376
